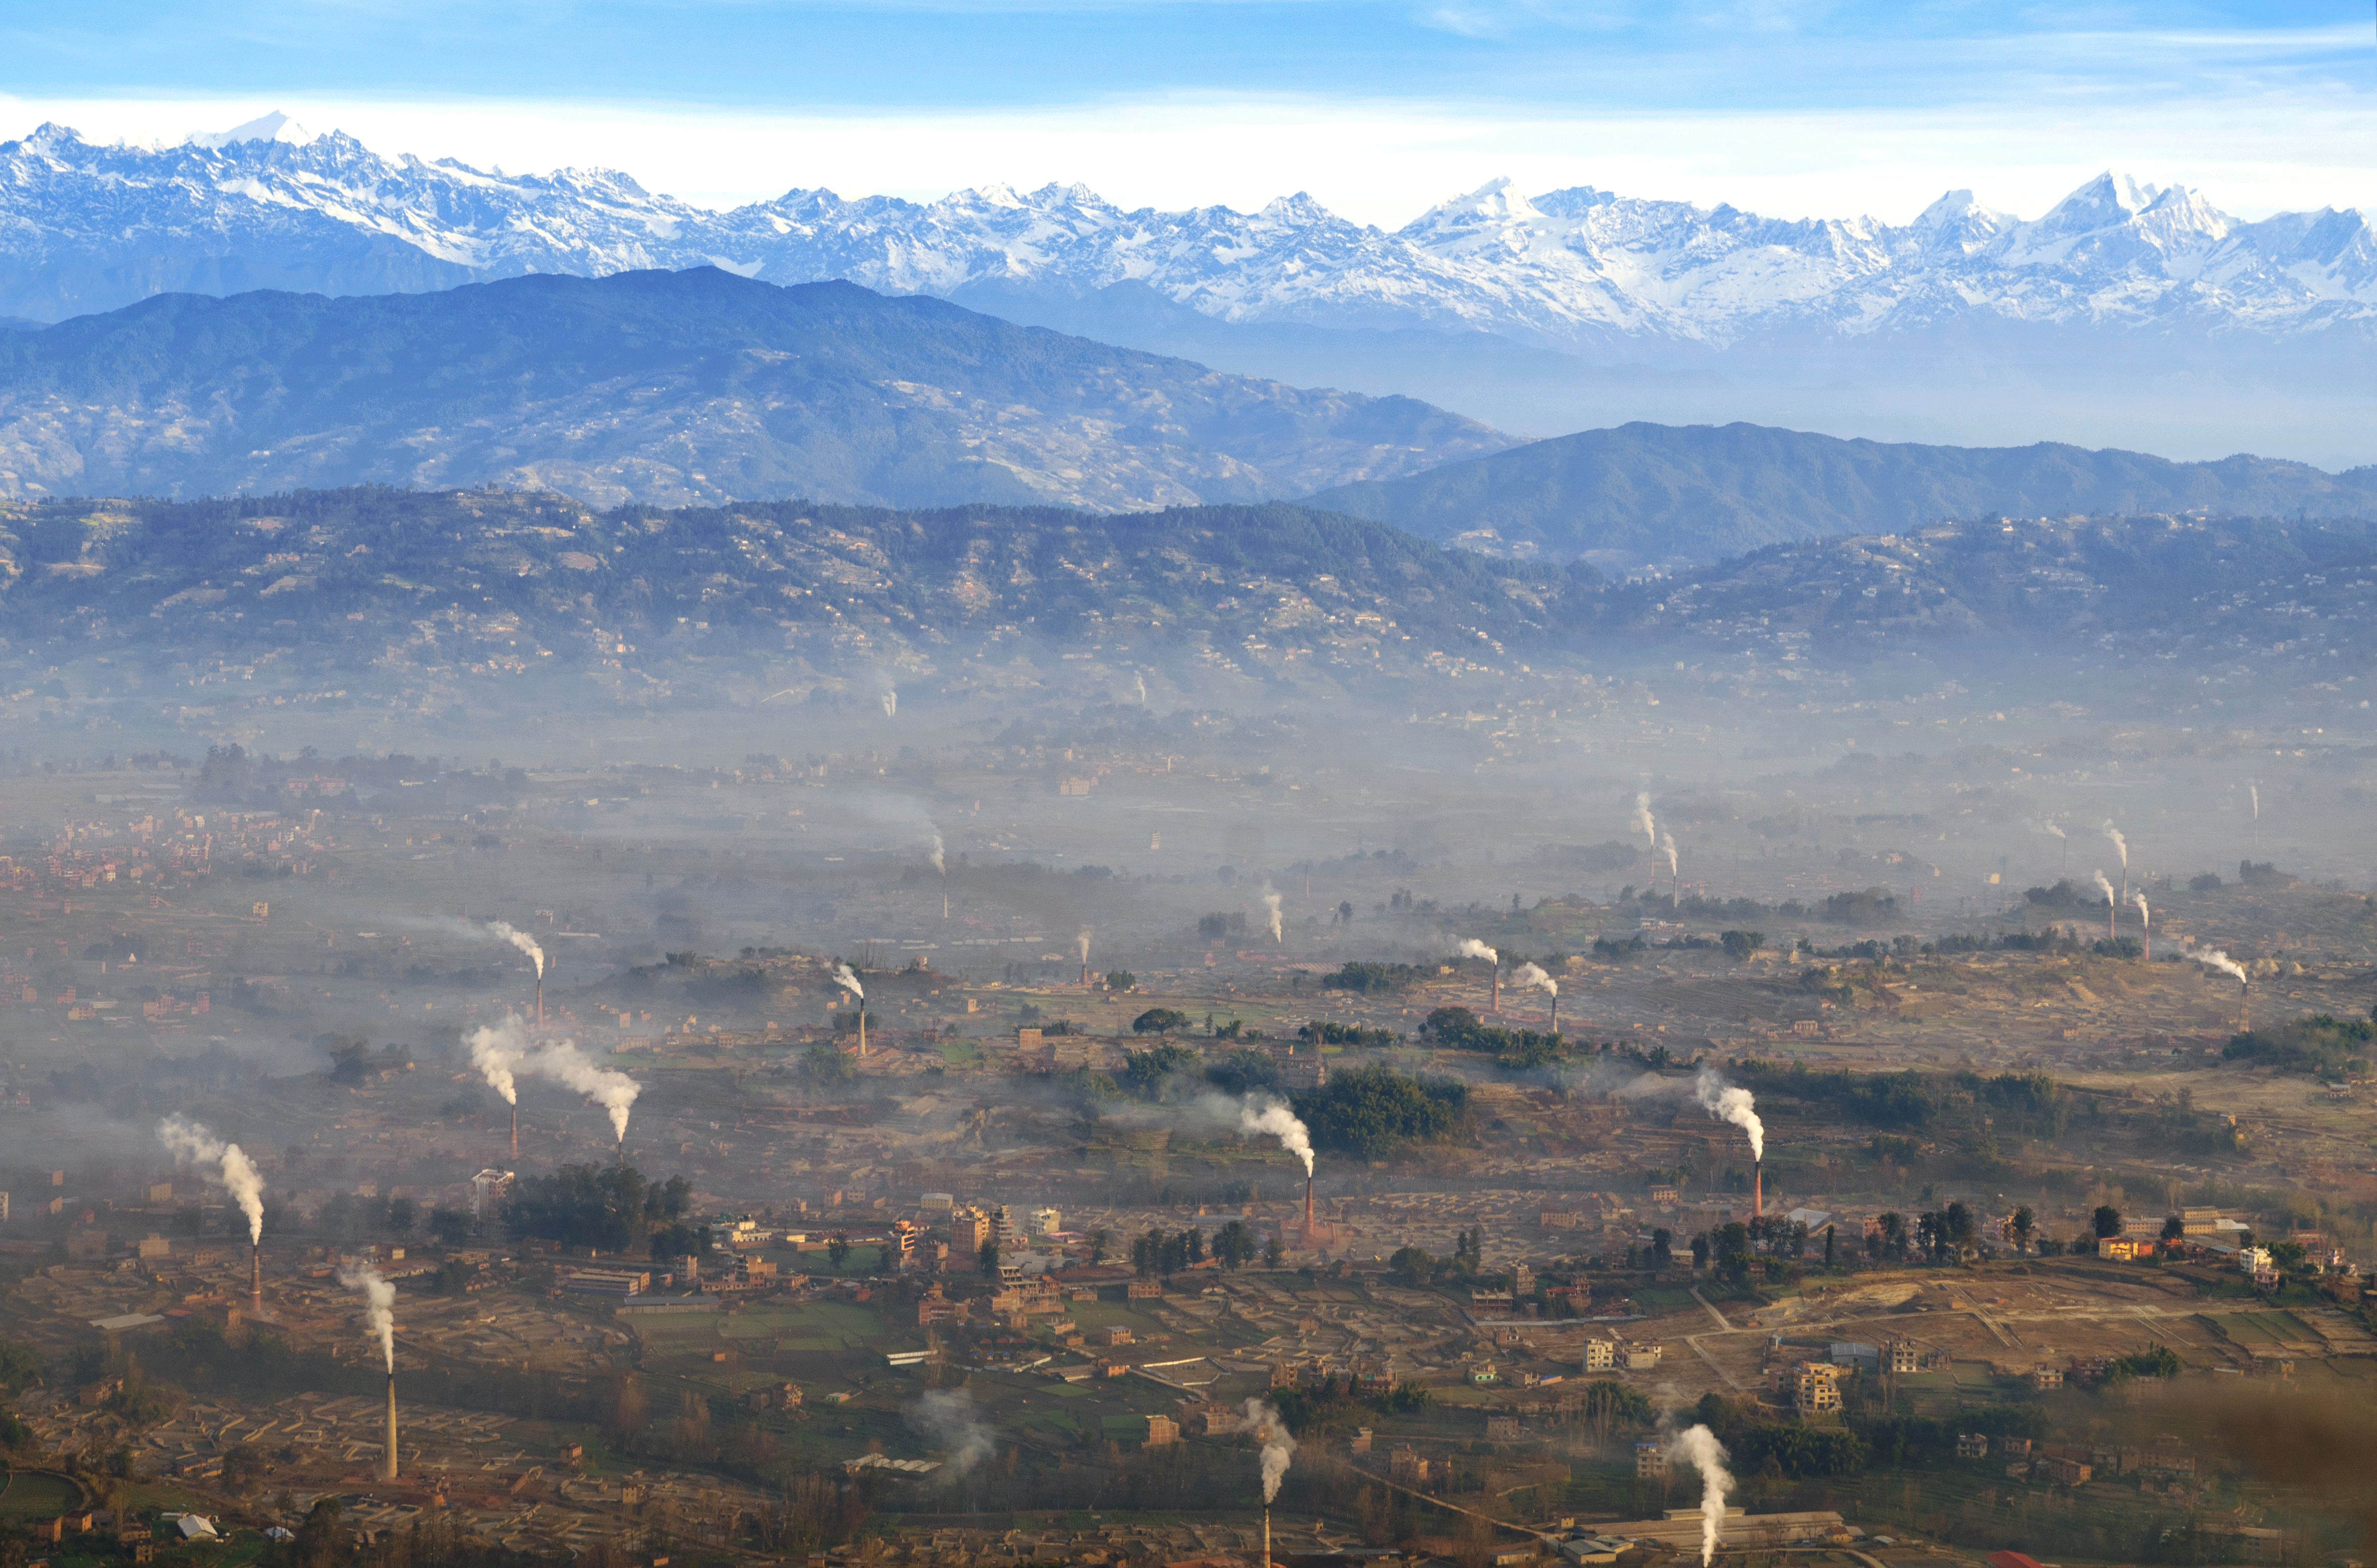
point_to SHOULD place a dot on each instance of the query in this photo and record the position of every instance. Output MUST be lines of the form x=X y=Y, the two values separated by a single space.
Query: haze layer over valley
x=1001 y=883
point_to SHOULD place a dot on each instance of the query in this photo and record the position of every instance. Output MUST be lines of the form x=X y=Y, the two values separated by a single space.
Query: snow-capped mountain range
x=85 y=227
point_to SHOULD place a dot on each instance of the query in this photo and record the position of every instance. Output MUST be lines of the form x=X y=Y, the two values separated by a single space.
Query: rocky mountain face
x=669 y=387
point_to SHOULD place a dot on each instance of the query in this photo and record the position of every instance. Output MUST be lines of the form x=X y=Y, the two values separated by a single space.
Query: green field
x=30 y=1494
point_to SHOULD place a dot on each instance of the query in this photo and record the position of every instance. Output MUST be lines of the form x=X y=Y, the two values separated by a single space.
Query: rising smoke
x=1533 y=974
x=520 y=939
x=1668 y=848
x=2255 y=791
x=497 y=1053
x=1270 y=911
x=1470 y=947
x=2103 y=887
x=232 y=1170
x=2213 y=958
x=380 y=1305
x=2041 y=826
x=890 y=700
x=613 y=1091
x=2145 y=916
x=1643 y=824
x=1264 y=1116
x=1278 y=1446
x=848 y=981
x=1083 y=942
x=947 y=1419
x=1698 y=1447
x=2120 y=844
x=1729 y=1102
x=940 y=863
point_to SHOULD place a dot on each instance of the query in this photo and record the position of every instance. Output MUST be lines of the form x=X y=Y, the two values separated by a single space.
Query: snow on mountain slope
x=85 y=228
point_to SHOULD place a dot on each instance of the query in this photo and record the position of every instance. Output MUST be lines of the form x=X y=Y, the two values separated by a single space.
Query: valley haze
x=1004 y=884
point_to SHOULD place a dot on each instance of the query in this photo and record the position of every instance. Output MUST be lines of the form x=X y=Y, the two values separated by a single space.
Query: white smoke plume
x=2145 y=916
x=1263 y=1115
x=1643 y=824
x=1470 y=947
x=1139 y=686
x=2047 y=827
x=380 y=1305
x=848 y=981
x=1278 y=1446
x=939 y=860
x=2103 y=887
x=497 y=1053
x=613 y=1091
x=1531 y=974
x=1729 y=1102
x=2213 y=958
x=233 y=1171
x=519 y=939
x=2255 y=791
x=1698 y=1447
x=947 y=1419
x=890 y=701
x=2120 y=844
x=1270 y=911
x=1668 y=848
x=1083 y=942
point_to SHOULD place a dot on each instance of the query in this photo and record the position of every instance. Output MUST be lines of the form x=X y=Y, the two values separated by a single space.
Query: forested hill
x=391 y=595
x=1655 y=494
x=668 y=388
x=349 y=568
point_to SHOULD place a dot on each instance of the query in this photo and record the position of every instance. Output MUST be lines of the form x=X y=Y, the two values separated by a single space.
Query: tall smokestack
x=1307 y=1211
x=516 y=1132
x=256 y=1279
x=540 y=999
x=388 y=1460
x=1758 y=1187
x=1266 y=1562
x=862 y=1026
x=1555 y=1012
x=1497 y=1006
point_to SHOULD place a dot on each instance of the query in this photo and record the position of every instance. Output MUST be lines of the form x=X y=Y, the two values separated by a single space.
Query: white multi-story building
x=490 y=1190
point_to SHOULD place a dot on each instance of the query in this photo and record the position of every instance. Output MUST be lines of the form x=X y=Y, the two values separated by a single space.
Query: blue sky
x=1794 y=108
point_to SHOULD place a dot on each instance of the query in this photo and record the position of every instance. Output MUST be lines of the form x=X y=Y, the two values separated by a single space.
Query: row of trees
x=1237 y=1244
x=610 y=1208
x=2031 y=1104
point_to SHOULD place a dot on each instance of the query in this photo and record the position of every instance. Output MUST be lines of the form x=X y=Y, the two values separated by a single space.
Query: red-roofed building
x=2011 y=1560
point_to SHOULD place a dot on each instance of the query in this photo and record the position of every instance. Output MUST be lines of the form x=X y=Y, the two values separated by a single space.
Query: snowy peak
x=275 y=126
x=2114 y=224
x=1957 y=224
